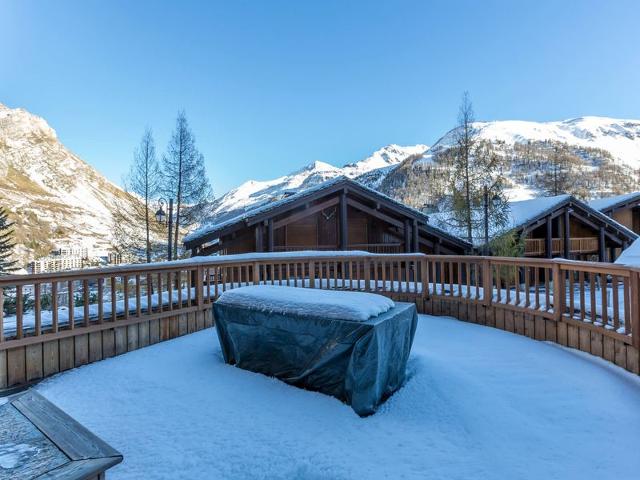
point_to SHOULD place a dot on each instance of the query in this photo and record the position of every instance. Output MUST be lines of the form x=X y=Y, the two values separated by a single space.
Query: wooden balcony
x=367 y=247
x=534 y=247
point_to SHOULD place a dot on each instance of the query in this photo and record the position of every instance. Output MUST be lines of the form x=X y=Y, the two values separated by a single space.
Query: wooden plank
x=608 y=348
x=182 y=325
x=596 y=344
x=95 y=347
x=73 y=439
x=633 y=359
x=539 y=327
x=81 y=346
x=89 y=469
x=562 y=338
x=573 y=336
x=501 y=317
x=550 y=330
x=16 y=373
x=66 y=353
x=132 y=337
x=585 y=340
x=121 y=340
x=33 y=356
x=529 y=326
x=619 y=353
x=518 y=323
x=509 y=322
x=143 y=334
x=154 y=331
x=108 y=343
x=3 y=369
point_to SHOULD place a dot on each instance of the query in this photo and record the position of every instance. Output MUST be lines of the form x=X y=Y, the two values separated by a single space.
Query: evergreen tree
x=7 y=265
x=185 y=178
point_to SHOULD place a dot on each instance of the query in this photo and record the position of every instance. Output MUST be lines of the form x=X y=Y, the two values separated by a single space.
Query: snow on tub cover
x=351 y=345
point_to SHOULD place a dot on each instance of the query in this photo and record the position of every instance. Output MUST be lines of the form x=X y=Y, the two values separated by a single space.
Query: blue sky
x=269 y=86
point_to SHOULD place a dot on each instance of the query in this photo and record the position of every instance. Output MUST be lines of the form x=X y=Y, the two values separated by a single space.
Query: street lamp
x=495 y=202
x=162 y=217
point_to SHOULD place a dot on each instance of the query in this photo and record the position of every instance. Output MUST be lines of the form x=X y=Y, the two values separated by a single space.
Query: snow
x=478 y=403
x=604 y=203
x=352 y=306
x=631 y=255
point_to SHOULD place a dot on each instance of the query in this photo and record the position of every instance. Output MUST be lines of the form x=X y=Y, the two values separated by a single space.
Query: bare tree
x=144 y=181
x=185 y=178
x=472 y=185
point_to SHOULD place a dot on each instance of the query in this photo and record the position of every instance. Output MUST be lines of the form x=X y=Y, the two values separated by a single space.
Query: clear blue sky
x=269 y=86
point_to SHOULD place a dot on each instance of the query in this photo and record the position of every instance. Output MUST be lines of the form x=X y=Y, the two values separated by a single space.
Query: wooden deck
x=115 y=310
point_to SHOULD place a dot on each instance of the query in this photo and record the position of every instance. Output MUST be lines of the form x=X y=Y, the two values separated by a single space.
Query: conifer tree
x=7 y=265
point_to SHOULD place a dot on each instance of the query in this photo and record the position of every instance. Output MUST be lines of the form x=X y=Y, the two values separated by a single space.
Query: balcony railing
x=79 y=311
x=536 y=246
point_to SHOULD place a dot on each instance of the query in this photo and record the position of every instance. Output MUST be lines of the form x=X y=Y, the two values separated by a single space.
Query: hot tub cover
x=360 y=362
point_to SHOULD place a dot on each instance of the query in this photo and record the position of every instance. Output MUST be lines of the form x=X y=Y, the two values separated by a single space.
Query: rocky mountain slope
x=53 y=196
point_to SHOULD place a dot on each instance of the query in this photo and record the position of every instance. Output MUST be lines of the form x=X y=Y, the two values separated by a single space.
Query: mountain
x=54 y=197
x=595 y=156
x=254 y=193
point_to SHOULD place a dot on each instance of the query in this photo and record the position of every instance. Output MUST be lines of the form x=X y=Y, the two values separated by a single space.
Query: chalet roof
x=610 y=203
x=211 y=230
x=524 y=213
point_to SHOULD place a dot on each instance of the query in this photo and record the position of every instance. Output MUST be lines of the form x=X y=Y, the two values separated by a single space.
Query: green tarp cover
x=361 y=363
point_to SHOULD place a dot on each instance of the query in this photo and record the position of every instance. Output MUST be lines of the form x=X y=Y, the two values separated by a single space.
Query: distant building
x=55 y=263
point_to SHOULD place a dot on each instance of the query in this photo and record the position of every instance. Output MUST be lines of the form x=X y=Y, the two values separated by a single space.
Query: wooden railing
x=536 y=246
x=384 y=248
x=40 y=310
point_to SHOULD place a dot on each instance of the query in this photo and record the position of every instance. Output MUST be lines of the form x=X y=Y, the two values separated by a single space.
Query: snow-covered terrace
x=478 y=403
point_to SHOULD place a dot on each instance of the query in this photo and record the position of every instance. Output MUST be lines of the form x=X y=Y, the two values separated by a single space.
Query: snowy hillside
x=53 y=195
x=621 y=138
x=253 y=193
x=596 y=156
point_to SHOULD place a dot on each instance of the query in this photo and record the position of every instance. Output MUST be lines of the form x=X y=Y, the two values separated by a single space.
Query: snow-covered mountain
x=621 y=138
x=600 y=156
x=253 y=193
x=53 y=196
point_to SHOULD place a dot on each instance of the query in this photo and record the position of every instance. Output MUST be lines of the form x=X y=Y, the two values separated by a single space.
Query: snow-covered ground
x=479 y=403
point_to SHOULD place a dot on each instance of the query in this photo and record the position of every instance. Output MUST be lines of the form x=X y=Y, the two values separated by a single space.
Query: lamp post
x=162 y=218
x=494 y=203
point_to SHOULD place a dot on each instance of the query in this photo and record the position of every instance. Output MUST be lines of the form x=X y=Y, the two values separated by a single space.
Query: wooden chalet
x=339 y=214
x=624 y=209
x=563 y=226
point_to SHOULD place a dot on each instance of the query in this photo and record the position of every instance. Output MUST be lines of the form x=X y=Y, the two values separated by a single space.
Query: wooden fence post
x=634 y=305
x=199 y=286
x=312 y=275
x=558 y=291
x=256 y=273
x=487 y=282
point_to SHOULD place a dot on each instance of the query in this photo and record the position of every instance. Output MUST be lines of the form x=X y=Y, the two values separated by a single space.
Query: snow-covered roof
x=630 y=255
x=608 y=202
x=523 y=212
x=213 y=227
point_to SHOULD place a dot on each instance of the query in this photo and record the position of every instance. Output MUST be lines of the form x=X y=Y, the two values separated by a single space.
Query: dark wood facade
x=572 y=229
x=624 y=209
x=338 y=215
